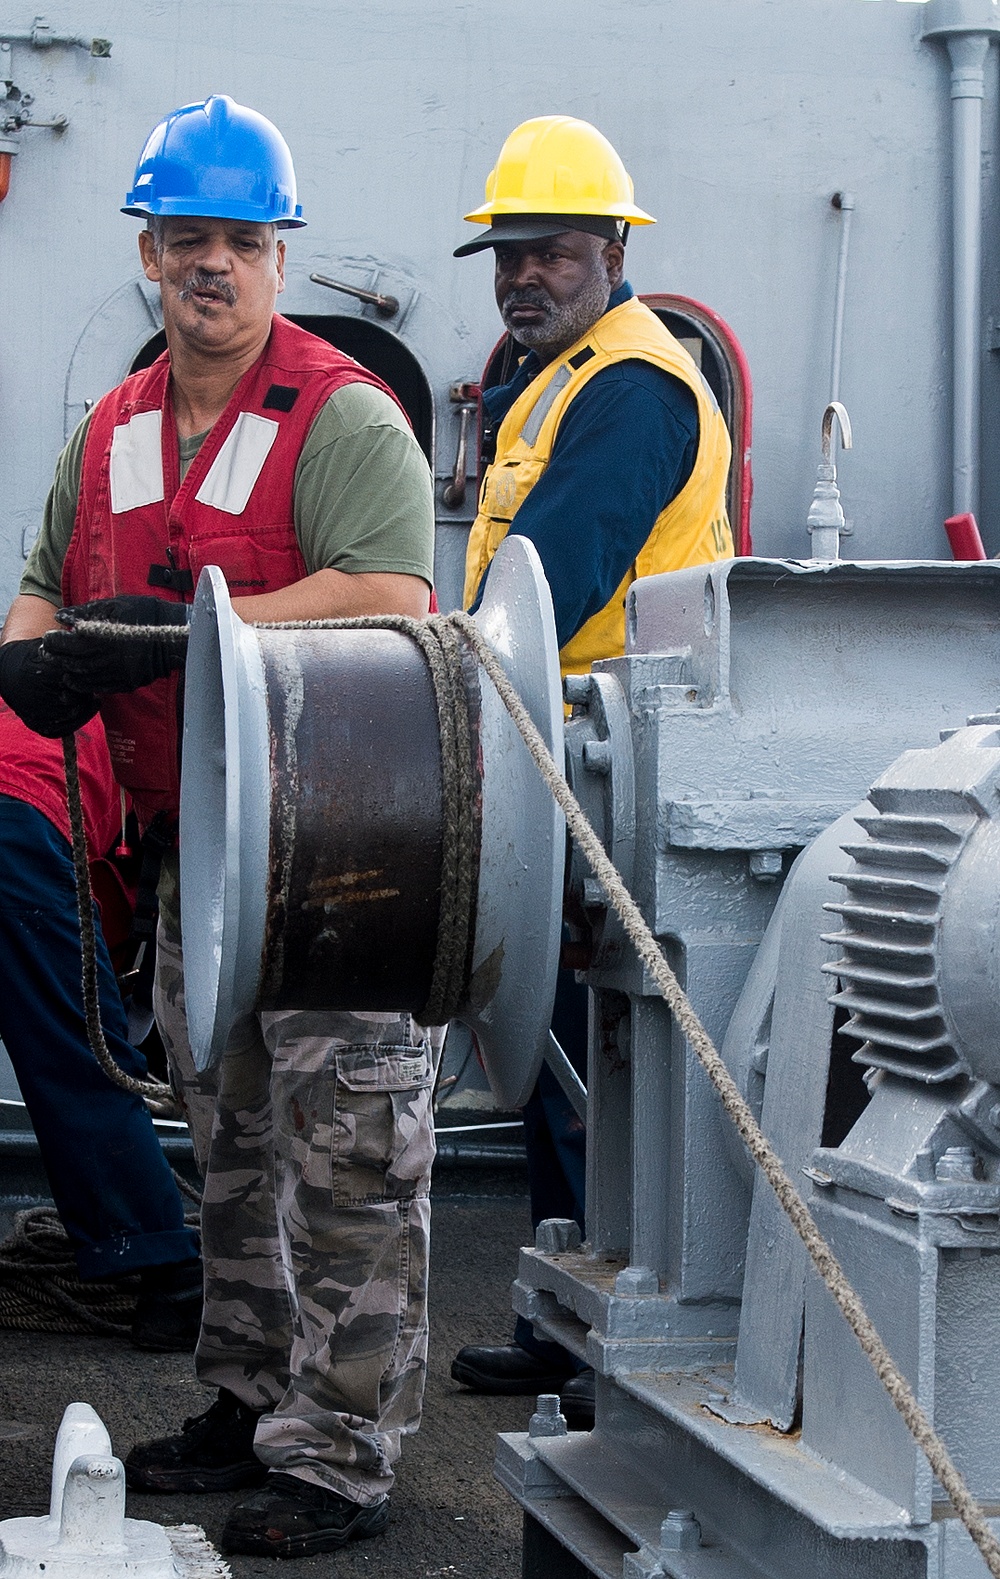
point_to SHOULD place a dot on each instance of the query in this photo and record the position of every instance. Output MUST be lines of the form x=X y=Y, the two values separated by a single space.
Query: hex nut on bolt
x=959 y=1164
x=765 y=865
x=597 y=756
x=557 y=1235
x=636 y=1280
x=680 y=1531
x=547 y=1419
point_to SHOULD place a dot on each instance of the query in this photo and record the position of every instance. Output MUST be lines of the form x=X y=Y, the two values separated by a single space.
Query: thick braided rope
x=459 y=869
x=88 y=934
x=40 y=1289
x=439 y=642
x=110 y=630
x=759 y=1147
x=756 y=1142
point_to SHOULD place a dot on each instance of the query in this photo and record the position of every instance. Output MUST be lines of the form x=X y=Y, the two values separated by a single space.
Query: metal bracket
x=41 y=36
x=15 y=106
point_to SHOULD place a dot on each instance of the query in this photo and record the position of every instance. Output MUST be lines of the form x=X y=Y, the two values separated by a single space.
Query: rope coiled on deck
x=736 y=1107
x=41 y=1291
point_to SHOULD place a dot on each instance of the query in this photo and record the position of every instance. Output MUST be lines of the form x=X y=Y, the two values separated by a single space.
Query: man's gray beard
x=566 y=324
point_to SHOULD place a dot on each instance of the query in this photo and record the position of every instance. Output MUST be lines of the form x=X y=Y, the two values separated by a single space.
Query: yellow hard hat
x=549 y=168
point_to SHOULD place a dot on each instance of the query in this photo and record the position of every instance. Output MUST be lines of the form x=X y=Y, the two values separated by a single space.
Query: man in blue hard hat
x=259 y=448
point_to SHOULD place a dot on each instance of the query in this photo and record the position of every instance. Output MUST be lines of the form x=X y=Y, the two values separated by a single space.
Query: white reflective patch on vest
x=233 y=473
x=137 y=463
x=543 y=405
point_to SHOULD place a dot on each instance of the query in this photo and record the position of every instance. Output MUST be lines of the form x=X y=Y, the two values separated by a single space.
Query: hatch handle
x=466 y=398
x=385 y=306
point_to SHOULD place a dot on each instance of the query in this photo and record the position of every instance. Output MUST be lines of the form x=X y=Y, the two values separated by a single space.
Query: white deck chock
x=85 y=1534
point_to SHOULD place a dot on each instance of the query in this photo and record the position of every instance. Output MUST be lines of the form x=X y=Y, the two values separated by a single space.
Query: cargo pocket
x=383 y=1137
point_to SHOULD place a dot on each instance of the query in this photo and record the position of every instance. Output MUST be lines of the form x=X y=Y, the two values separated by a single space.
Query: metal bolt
x=593 y=893
x=959 y=1164
x=597 y=756
x=643 y=1564
x=765 y=865
x=547 y=1419
x=556 y=1236
x=636 y=1280
x=576 y=689
x=680 y=1531
x=995 y=1115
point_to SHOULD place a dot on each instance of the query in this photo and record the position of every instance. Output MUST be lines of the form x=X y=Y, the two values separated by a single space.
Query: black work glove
x=33 y=684
x=101 y=664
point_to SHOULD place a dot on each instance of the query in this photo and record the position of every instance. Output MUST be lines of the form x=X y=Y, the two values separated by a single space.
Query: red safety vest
x=31 y=770
x=139 y=527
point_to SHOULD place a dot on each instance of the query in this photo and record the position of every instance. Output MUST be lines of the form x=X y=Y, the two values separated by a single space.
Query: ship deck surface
x=451 y=1520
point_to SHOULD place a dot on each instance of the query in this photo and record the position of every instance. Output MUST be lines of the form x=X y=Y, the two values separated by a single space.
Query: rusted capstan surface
x=357 y=834
x=356 y=821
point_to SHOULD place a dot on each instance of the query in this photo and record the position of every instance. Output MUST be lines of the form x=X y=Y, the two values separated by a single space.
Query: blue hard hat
x=219 y=160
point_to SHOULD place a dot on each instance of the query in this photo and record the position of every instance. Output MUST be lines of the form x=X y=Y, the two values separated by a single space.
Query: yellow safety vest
x=693 y=528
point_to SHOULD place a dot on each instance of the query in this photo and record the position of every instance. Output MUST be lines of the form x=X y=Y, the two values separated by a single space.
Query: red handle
x=963 y=535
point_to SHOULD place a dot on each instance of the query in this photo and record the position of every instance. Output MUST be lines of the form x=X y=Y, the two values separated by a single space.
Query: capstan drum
x=327 y=802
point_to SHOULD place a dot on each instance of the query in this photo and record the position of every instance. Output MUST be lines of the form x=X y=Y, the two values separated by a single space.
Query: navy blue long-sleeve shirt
x=625 y=448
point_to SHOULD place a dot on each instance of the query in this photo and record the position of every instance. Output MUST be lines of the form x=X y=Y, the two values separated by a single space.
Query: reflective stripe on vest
x=137 y=462
x=692 y=529
x=234 y=509
x=233 y=474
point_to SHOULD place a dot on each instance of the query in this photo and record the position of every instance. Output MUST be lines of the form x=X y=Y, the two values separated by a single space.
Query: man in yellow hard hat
x=609 y=452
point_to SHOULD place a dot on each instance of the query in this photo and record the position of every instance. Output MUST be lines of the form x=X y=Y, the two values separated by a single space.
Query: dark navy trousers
x=555 y=1138
x=110 y=1181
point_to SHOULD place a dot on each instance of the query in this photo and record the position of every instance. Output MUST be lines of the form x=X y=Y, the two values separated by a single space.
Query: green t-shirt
x=362 y=495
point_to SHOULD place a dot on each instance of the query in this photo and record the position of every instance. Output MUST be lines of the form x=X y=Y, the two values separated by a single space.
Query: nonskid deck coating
x=450 y=1519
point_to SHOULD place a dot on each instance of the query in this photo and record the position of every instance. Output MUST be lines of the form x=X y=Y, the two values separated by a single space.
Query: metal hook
x=825 y=520
x=835 y=409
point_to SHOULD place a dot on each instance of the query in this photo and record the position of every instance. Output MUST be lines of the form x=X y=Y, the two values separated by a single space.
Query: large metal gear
x=919 y=967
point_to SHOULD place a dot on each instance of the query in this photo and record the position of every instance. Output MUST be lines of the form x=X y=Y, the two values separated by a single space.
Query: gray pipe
x=844 y=201
x=967 y=27
x=968 y=57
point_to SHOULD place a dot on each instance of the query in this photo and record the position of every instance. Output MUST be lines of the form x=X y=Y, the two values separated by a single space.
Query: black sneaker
x=214 y=1452
x=290 y=1517
x=576 y=1401
x=167 y=1323
x=509 y=1369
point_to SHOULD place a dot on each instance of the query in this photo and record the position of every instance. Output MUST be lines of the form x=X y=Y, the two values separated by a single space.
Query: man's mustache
x=528 y=298
x=201 y=280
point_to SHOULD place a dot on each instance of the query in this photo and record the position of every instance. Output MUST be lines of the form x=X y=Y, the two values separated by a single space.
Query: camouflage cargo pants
x=316 y=1150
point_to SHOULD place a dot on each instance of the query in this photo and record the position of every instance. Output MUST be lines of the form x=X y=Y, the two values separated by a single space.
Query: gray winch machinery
x=725 y=762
